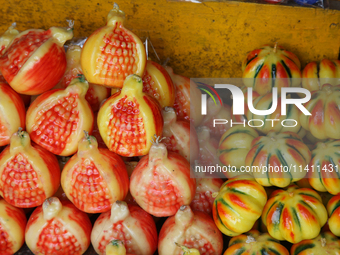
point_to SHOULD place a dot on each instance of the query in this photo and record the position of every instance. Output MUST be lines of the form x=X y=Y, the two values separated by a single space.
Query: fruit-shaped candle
x=325 y=243
x=178 y=136
x=188 y=98
x=128 y=119
x=7 y=37
x=192 y=230
x=269 y=67
x=234 y=146
x=35 y=60
x=158 y=83
x=56 y=119
x=58 y=227
x=12 y=228
x=333 y=208
x=255 y=243
x=113 y=52
x=216 y=111
x=94 y=178
x=12 y=113
x=28 y=173
x=95 y=94
x=324 y=106
x=128 y=223
x=315 y=75
x=161 y=181
x=324 y=167
x=273 y=159
x=203 y=200
x=238 y=205
x=294 y=214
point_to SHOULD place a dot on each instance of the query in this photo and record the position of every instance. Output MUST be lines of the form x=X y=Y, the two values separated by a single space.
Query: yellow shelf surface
x=207 y=39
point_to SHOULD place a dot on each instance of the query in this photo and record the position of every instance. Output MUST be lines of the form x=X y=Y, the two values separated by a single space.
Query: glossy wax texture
x=284 y=151
x=325 y=243
x=28 y=173
x=268 y=67
x=234 y=146
x=57 y=119
x=94 y=178
x=324 y=167
x=58 y=227
x=12 y=228
x=315 y=75
x=324 y=106
x=158 y=83
x=35 y=60
x=129 y=119
x=253 y=242
x=334 y=215
x=294 y=214
x=238 y=205
x=161 y=182
x=112 y=53
x=12 y=113
x=203 y=200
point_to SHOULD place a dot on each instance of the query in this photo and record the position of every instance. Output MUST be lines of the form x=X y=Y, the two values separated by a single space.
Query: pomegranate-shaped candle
x=113 y=52
x=161 y=181
x=94 y=178
x=58 y=227
x=35 y=60
x=56 y=119
x=28 y=173
x=157 y=82
x=129 y=118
